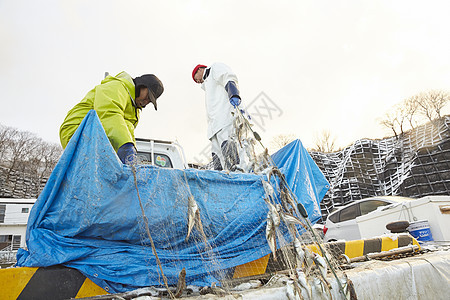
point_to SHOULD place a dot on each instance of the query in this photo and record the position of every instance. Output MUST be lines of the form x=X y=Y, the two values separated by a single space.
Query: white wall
x=15 y=221
x=14 y=214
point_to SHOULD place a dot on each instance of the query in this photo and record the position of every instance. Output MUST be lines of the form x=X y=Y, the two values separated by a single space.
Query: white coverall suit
x=219 y=114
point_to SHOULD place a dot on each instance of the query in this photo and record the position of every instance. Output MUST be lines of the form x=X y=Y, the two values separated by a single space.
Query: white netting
x=297 y=250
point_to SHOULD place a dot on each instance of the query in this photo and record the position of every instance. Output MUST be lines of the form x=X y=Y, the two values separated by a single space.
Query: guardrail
x=8 y=255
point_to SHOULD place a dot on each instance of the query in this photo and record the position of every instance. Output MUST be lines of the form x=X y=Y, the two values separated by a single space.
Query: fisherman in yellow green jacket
x=118 y=101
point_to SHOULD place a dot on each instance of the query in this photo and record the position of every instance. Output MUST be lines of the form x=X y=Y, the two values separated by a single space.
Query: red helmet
x=196 y=69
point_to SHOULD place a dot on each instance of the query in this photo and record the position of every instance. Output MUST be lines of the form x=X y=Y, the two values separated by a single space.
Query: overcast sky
x=319 y=65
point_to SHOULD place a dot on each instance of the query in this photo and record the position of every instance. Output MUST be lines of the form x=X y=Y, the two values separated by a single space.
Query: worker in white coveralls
x=222 y=98
x=118 y=101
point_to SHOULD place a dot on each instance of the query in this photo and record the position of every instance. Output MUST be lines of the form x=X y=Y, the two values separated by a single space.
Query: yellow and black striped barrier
x=55 y=282
x=362 y=247
x=268 y=263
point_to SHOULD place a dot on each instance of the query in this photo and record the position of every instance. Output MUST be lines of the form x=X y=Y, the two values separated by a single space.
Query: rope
x=133 y=167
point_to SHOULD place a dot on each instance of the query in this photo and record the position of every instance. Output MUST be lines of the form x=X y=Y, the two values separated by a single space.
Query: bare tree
x=411 y=107
x=427 y=104
x=325 y=142
x=390 y=121
x=395 y=118
x=21 y=148
x=400 y=113
x=6 y=138
x=27 y=157
x=281 y=140
x=431 y=103
x=40 y=163
x=49 y=156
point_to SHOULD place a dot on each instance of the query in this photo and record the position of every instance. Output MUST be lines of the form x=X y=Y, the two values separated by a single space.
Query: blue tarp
x=88 y=215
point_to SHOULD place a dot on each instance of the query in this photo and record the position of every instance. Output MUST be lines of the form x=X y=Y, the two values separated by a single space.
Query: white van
x=159 y=153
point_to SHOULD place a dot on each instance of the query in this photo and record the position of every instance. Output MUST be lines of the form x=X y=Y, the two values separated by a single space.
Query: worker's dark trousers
x=230 y=156
x=224 y=152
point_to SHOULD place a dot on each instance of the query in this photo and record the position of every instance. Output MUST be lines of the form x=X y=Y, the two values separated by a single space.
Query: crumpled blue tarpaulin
x=303 y=177
x=88 y=216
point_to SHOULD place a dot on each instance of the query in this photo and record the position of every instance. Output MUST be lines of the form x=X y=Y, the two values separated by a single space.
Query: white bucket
x=420 y=230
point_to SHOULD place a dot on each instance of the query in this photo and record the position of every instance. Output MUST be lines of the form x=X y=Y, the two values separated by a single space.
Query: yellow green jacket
x=113 y=100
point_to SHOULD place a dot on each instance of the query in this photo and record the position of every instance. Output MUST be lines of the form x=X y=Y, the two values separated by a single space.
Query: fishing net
x=296 y=249
x=128 y=227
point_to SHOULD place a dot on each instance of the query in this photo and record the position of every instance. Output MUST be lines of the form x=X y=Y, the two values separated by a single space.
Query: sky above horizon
x=303 y=66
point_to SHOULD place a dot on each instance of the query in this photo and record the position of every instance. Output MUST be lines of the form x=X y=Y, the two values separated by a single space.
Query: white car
x=341 y=224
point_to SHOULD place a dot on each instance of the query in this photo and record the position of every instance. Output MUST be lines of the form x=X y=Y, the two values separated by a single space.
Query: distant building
x=14 y=215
